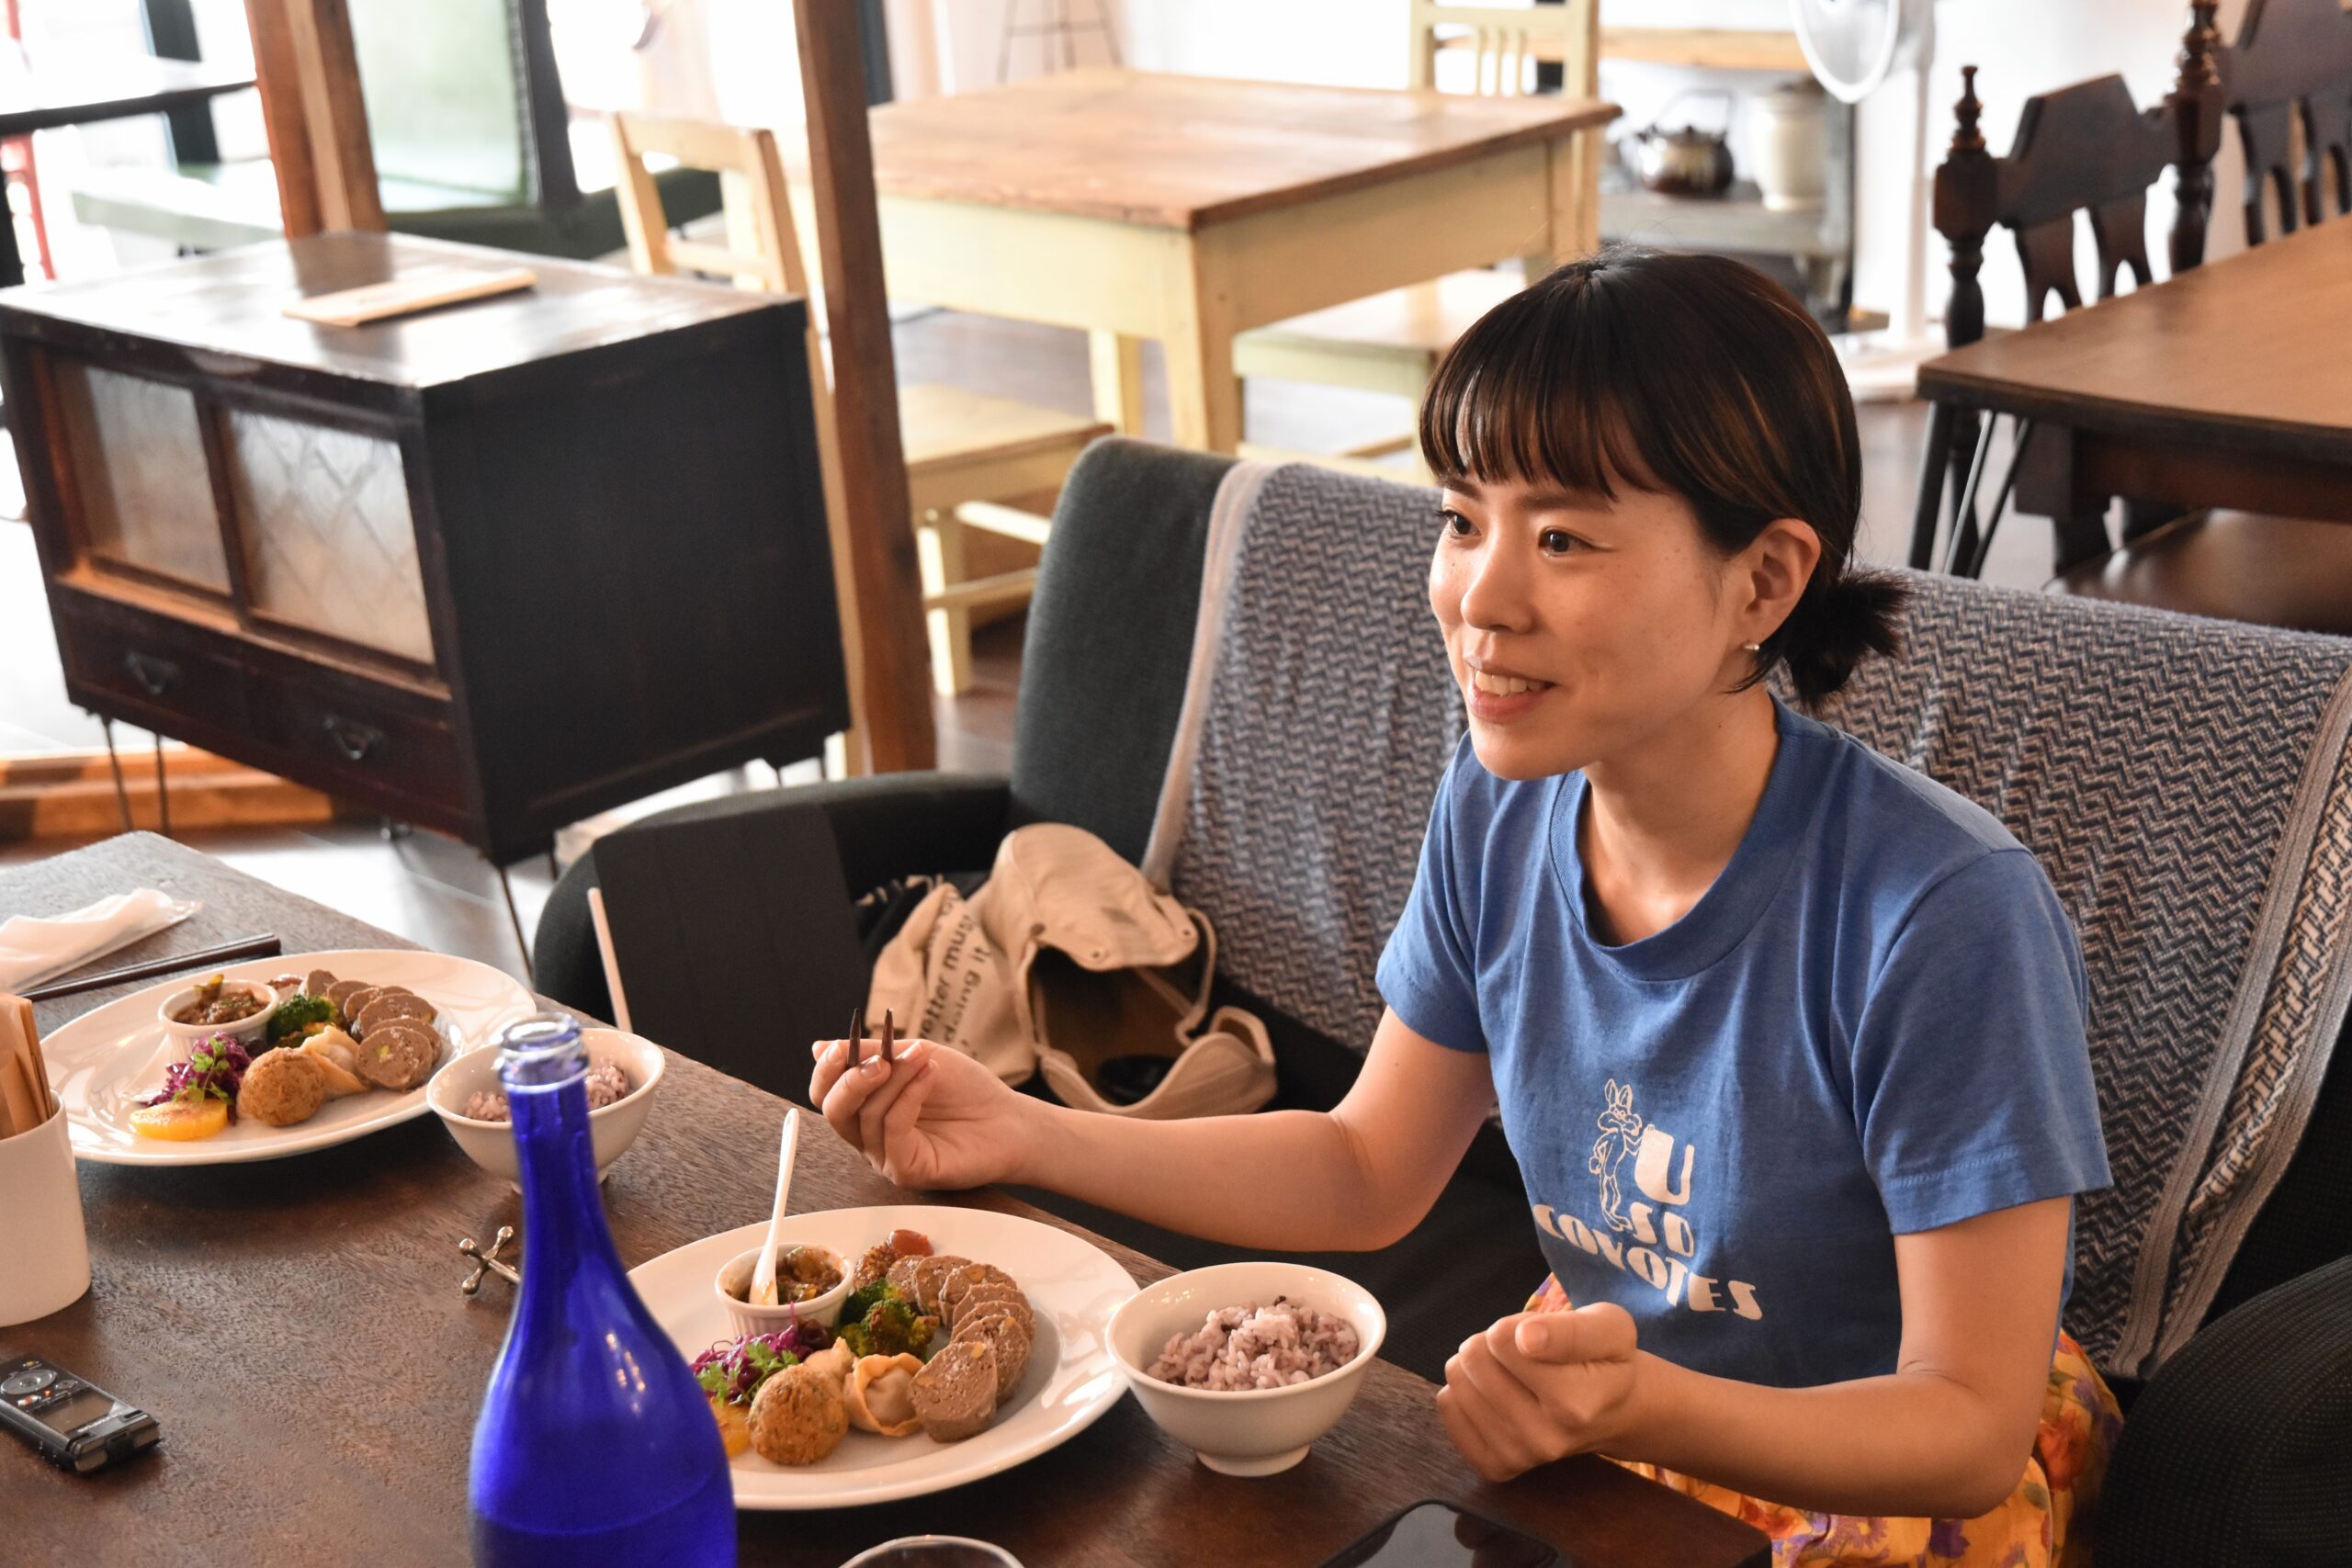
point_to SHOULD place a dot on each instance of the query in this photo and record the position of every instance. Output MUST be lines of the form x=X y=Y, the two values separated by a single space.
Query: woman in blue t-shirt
x=1788 y=1039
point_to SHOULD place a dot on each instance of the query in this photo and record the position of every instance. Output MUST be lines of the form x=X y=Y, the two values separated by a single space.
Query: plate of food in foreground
x=325 y=1047
x=969 y=1342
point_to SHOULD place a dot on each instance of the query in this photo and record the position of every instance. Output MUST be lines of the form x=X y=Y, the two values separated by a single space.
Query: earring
x=1753 y=646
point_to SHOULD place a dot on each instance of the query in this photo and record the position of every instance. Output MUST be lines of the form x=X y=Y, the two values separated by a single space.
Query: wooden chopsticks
x=25 y=1102
x=179 y=963
x=857 y=1034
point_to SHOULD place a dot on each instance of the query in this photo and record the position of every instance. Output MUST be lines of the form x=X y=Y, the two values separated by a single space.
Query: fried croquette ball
x=283 y=1088
x=798 y=1416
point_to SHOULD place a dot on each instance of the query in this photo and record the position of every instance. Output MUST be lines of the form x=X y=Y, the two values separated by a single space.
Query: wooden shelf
x=1712 y=48
x=1735 y=221
x=1716 y=49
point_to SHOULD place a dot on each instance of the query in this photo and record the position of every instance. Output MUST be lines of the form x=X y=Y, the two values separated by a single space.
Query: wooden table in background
x=73 y=90
x=1137 y=205
x=2228 y=385
x=295 y=1327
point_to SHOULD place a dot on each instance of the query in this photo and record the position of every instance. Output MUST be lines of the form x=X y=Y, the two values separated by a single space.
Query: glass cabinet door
x=329 y=545
x=140 y=474
x=319 y=540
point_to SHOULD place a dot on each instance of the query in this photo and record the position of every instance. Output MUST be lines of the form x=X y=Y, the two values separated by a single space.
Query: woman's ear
x=1776 y=566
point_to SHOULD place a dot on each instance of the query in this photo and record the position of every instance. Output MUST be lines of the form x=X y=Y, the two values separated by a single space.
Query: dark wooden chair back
x=2290 y=71
x=2086 y=149
x=2288 y=83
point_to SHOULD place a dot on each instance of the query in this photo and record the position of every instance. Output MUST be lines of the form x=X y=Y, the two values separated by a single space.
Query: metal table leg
x=513 y=918
x=1933 y=468
x=114 y=760
x=162 y=792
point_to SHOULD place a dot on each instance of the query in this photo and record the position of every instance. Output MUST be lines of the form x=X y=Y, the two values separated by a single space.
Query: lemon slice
x=181 y=1121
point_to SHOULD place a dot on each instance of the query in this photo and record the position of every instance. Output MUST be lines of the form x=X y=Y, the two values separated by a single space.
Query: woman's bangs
x=1529 y=394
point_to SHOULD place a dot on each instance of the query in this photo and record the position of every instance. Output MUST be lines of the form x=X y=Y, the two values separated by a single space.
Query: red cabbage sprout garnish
x=733 y=1369
x=214 y=1070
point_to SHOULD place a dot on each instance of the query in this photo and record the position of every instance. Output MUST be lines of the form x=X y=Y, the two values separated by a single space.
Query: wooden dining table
x=297 y=1328
x=2227 y=385
x=1137 y=204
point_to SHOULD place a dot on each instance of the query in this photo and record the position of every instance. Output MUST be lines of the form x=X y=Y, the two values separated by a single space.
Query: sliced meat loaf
x=399 y=1054
x=387 y=1004
x=1005 y=1334
x=956 y=1391
x=982 y=1298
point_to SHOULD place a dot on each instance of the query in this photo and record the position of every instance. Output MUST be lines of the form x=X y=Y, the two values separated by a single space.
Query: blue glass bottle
x=595 y=1445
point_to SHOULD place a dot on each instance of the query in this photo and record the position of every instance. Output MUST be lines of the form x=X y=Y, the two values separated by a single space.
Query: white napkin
x=32 y=949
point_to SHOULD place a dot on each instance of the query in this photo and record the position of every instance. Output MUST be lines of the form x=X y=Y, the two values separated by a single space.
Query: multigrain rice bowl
x=1248 y=1363
x=1258 y=1347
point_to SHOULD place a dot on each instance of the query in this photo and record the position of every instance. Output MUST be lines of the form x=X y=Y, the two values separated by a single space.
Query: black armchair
x=1100 y=694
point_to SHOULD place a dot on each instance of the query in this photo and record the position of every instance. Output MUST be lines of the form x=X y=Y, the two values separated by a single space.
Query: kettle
x=1684 y=161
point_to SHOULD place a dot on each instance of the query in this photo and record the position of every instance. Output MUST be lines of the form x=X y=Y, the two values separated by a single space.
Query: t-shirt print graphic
x=1621 y=1134
x=1649 y=1236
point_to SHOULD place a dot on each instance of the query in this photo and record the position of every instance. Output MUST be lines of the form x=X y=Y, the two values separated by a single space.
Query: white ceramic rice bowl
x=611 y=1130
x=1243 y=1431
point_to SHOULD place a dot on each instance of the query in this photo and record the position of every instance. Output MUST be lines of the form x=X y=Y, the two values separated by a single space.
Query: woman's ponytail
x=1836 y=624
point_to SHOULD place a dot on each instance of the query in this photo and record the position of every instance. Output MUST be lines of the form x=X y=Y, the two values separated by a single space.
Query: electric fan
x=1854 y=47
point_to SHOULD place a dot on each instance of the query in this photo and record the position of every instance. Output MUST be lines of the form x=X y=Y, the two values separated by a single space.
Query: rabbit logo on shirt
x=1659 y=1244
x=1621 y=1134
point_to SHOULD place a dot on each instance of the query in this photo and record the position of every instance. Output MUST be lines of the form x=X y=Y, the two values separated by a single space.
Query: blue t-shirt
x=1871 y=1024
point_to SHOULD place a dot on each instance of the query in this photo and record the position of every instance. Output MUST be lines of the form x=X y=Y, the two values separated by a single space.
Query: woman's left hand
x=1540 y=1386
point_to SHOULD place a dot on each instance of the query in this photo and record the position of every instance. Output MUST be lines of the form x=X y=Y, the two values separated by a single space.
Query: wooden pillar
x=316 y=119
x=894 y=673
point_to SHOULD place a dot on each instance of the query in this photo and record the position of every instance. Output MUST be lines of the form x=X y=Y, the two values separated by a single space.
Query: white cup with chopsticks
x=42 y=1237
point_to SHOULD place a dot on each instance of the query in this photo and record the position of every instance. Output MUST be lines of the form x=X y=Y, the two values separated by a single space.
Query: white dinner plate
x=104 y=1062
x=1072 y=1285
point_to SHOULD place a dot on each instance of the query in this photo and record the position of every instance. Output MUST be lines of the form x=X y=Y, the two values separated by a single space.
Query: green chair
x=470 y=128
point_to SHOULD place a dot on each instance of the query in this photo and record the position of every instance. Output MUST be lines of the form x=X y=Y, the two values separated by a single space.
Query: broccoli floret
x=296 y=1016
x=858 y=1303
x=890 y=1327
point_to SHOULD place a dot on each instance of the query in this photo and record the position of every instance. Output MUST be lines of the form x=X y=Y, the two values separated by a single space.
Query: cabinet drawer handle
x=351 y=737
x=156 y=676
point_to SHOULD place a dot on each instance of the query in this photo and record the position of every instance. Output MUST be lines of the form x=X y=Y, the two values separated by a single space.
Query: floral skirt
x=2038 y=1526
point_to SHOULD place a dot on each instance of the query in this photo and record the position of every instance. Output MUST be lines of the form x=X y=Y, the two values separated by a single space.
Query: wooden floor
x=444 y=896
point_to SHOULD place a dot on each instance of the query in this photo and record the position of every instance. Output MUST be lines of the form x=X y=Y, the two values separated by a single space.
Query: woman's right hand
x=933 y=1118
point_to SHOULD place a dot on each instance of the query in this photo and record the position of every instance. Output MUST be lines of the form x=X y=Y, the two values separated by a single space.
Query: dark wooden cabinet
x=491 y=569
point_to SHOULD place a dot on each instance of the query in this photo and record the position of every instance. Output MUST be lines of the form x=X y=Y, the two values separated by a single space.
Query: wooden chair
x=2292 y=63
x=2089 y=148
x=969 y=457
x=1392 y=341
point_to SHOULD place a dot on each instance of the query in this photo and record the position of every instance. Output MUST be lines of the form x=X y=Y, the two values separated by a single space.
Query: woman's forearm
x=1910 y=1444
x=1282 y=1180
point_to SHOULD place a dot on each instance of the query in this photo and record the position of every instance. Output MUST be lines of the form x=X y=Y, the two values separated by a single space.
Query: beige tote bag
x=1067 y=959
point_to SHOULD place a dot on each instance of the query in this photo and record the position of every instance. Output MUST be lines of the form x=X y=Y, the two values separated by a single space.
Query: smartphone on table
x=1438 y=1535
